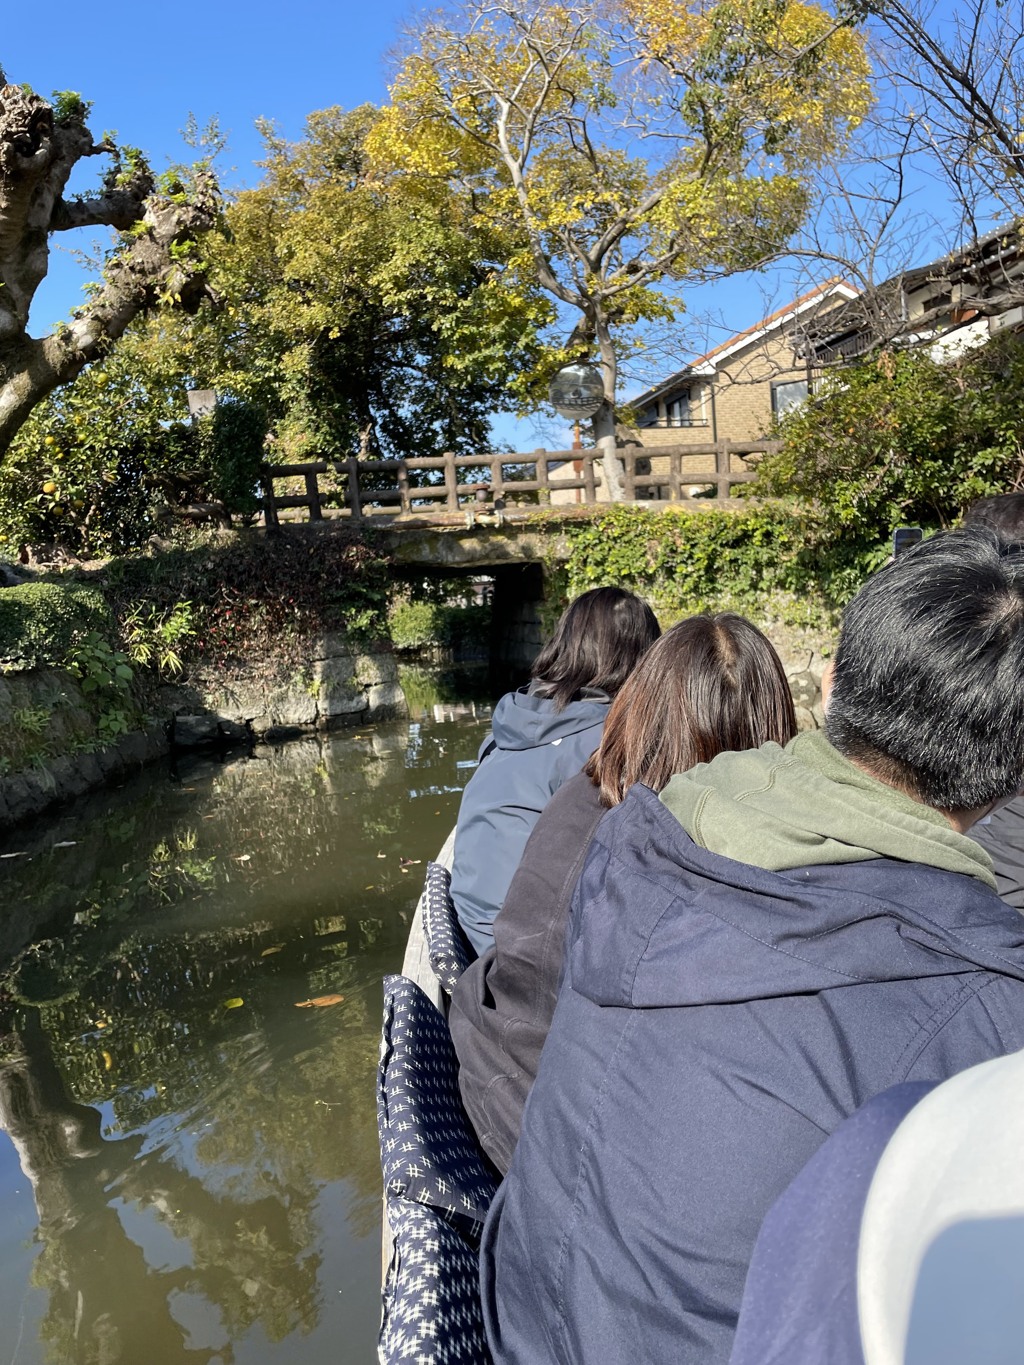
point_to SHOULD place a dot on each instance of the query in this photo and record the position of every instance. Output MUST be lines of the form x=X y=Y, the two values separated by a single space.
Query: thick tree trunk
x=605 y=436
x=156 y=263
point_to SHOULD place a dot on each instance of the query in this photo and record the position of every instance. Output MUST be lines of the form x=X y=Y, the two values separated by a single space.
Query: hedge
x=41 y=623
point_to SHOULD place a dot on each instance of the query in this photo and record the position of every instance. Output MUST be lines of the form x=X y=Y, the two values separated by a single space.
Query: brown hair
x=710 y=683
x=599 y=640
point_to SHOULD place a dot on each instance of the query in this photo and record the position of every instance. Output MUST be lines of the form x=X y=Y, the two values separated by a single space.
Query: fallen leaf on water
x=319 y=1001
x=108 y=1061
x=22 y=854
x=101 y=1023
x=67 y=843
x=276 y=949
x=368 y=888
x=404 y=869
x=382 y=855
x=243 y=857
x=409 y=862
x=234 y=1002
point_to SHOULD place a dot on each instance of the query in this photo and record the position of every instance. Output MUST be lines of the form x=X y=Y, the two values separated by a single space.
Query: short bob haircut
x=928 y=690
x=599 y=640
x=710 y=683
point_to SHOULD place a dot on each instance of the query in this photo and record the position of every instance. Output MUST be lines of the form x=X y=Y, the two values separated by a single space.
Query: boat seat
x=431 y=1312
x=447 y=946
x=429 y=1152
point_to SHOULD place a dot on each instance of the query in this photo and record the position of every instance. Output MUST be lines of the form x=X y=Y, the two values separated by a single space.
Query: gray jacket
x=535 y=750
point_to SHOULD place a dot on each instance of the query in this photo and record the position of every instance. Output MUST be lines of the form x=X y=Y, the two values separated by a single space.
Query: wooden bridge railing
x=411 y=498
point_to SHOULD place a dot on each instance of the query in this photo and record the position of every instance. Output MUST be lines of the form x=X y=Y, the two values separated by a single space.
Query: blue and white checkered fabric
x=429 y=1152
x=447 y=948
x=431 y=1293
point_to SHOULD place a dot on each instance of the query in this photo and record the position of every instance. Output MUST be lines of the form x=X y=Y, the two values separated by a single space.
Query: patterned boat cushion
x=431 y=1293
x=447 y=947
x=428 y=1150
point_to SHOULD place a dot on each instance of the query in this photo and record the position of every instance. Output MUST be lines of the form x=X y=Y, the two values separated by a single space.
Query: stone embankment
x=804 y=669
x=343 y=685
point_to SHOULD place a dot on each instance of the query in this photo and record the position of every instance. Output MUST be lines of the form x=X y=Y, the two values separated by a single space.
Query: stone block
x=817 y=666
x=90 y=770
x=805 y=689
x=111 y=761
x=204 y=732
x=132 y=749
x=68 y=778
x=386 y=700
x=291 y=705
x=375 y=668
x=805 y=719
x=334 y=644
x=241 y=702
x=339 y=699
x=18 y=798
x=799 y=661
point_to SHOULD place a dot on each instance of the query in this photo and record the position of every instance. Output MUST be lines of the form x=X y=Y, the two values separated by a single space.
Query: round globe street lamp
x=577 y=391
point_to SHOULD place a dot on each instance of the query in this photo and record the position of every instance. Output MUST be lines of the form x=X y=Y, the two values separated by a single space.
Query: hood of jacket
x=660 y=921
x=805 y=805
x=522 y=720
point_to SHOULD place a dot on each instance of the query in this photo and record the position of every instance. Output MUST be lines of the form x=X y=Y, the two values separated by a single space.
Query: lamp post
x=576 y=393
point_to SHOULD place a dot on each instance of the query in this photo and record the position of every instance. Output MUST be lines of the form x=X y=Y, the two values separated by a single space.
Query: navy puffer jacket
x=716 y=1023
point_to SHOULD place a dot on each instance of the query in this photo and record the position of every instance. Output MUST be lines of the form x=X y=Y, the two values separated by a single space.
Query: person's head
x=1003 y=513
x=927 y=688
x=710 y=683
x=598 y=642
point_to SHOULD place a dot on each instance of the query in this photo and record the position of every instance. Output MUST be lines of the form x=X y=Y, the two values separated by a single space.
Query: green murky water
x=188 y=1159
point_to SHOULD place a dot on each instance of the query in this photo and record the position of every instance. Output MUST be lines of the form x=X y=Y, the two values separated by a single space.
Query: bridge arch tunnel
x=516 y=595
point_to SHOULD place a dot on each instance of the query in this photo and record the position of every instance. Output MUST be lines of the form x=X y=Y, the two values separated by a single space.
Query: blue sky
x=145 y=72
x=147 y=67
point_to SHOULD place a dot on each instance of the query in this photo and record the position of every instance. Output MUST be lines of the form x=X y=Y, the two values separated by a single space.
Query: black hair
x=928 y=689
x=1003 y=512
x=599 y=640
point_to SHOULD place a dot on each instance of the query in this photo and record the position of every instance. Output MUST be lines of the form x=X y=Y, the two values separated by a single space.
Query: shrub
x=413 y=624
x=42 y=623
x=903 y=438
x=769 y=559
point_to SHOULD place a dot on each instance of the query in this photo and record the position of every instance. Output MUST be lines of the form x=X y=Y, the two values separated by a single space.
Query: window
x=649 y=416
x=678 y=410
x=788 y=397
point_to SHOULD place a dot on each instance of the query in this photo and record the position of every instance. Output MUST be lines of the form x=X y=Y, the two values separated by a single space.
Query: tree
x=903 y=438
x=934 y=175
x=361 y=313
x=635 y=147
x=100 y=465
x=157 y=259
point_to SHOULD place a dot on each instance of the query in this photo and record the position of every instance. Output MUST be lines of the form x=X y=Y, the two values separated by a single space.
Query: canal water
x=190 y=1008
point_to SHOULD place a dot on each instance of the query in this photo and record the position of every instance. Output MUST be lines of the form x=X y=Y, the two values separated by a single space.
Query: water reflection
x=200 y=1154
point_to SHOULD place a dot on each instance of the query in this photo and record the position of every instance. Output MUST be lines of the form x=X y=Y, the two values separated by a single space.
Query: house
x=734 y=391
x=729 y=394
x=952 y=304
